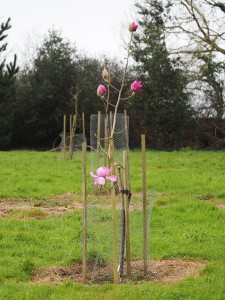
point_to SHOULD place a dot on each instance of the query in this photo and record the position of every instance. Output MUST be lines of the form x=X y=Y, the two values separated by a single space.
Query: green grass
x=26 y=174
x=31 y=174
x=185 y=223
x=184 y=172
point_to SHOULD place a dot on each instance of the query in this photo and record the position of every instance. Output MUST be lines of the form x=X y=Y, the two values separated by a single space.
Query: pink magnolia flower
x=133 y=27
x=101 y=174
x=101 y=90
x=136 y=86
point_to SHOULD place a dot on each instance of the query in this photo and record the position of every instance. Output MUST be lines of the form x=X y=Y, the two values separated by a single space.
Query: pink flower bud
x=136 y=86
x=133 y=27
x=101 y=90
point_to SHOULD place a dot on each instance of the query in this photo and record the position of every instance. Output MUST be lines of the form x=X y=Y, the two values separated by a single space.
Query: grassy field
x=187 y=223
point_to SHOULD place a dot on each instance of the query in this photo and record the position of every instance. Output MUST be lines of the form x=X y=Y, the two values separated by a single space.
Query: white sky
x=95 y=26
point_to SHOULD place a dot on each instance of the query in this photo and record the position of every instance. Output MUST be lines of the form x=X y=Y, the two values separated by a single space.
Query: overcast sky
x=95 y=26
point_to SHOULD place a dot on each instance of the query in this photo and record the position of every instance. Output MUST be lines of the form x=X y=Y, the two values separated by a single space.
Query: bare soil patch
x=168 y=271
x=206 y=197
x=38 y=208
x=42 y=208
x=221 y=205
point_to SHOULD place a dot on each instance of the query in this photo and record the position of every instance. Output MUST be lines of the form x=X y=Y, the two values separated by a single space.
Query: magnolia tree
x=114 y=171
x=103 y=91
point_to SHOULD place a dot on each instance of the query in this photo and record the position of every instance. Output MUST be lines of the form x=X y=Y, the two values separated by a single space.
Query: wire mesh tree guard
x=101 y=146
x=71 y=141
x=118 y=226
x=100 y=131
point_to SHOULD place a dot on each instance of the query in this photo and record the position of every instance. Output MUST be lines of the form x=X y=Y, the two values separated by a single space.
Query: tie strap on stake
x=126 y=192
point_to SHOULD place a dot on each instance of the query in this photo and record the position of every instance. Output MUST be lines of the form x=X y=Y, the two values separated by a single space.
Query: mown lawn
x=185 y=223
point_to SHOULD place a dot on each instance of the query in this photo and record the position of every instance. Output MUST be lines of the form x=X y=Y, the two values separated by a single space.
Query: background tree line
x=178 y=54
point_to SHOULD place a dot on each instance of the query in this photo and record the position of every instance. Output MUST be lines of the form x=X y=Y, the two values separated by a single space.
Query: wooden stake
x=98 y=139
x=71 y=124
x=114 y=242
x=126 y=129
x=145 y=246
x=83 y=127
x=71 y=132
x=64 y=137
x=127 y=214
x=72 y=135
x=110 y=122
x=122 y=223
x=84 y=196
x=127 y=187
x=106 y=144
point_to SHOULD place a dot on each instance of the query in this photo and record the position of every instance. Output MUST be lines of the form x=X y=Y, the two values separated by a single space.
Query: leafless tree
x=196 y=31
x=198 y=24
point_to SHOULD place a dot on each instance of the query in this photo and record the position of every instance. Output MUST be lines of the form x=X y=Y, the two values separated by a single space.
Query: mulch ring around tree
x=167 y=271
